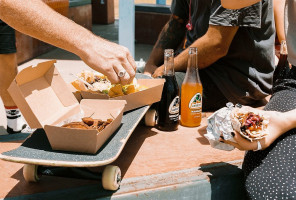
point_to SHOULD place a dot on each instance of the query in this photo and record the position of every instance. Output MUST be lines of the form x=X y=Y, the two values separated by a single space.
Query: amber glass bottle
x=191 y=93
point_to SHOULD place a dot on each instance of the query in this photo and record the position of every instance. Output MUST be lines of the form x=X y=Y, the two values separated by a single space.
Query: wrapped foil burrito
x=219 y=124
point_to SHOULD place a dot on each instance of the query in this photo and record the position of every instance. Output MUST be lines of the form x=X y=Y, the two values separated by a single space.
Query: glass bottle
x=168 y=107
x=191 y=93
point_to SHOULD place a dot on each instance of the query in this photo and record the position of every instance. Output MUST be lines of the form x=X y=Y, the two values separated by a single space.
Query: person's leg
x=8 y=71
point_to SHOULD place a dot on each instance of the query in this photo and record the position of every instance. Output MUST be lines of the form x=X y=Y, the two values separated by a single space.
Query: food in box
x=147 y=91
x=45 y=101
x=95 y=82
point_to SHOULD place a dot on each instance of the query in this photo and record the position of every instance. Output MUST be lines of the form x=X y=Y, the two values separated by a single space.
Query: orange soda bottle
x=191 y=93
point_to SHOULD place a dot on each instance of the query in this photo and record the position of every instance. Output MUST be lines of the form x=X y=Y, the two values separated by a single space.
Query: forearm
x=170 y=37
x=208 y=53
x=155 y=60
x=60 y=32
x=237 y=4
x=280 y=123
x=290 y=117
x=210 y=49
x=279 y=9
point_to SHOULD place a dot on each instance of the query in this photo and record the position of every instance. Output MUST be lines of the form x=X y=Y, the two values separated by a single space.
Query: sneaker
x=15 y=121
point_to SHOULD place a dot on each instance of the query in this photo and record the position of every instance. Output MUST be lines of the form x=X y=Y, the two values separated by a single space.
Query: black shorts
x=7 y=39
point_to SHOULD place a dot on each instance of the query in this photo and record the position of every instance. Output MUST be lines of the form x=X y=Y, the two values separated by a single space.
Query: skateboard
x=36 y=151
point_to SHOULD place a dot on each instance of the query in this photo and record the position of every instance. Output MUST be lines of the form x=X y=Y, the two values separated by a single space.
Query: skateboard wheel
x=30 y=173
x=150 y=117
x=111 y=177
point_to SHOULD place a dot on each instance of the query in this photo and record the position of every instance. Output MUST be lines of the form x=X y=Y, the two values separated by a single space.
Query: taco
x=101 y=84
x=250 y=125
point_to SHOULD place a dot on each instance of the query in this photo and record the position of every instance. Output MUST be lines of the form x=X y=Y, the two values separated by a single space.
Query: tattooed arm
x=211 y=47
x=170 y=37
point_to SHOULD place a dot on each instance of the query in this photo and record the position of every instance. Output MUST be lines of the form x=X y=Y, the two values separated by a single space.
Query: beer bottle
x=191 y=93
x=168 y=107
x=282 y=68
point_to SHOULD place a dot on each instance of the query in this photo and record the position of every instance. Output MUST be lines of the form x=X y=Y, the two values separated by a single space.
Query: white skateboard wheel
x=111 y=178
x=150 y=117
x=30 y=173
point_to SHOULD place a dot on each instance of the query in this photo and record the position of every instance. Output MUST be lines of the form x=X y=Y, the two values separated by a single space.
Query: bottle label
x=195 y=103
x=174 y=108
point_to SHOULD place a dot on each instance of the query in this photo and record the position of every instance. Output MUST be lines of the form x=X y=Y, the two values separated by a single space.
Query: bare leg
x=8 y=71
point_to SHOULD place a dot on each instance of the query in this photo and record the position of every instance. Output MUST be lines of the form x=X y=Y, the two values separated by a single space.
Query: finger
x=123 y=80
x=130 y=71
x=126 y=79
x=148 y=74
x=243 y=142
x=236 y=145
x=112 y=76
x=154 y=75
x=157 y=74
x=132 y=61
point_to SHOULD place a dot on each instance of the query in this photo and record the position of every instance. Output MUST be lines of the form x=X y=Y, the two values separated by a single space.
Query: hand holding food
x=250 y=124
x=278 y=123
x=113 y=60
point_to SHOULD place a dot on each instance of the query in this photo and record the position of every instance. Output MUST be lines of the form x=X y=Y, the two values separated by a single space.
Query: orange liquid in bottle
x=191 y=104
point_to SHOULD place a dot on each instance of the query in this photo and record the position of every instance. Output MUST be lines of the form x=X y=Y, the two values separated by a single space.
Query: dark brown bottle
x=168 y=107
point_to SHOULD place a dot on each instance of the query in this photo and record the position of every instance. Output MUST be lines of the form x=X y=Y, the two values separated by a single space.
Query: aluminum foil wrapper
x=219 y=124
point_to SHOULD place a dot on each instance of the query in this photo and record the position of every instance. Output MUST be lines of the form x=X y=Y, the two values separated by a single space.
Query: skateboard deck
x=36 y=149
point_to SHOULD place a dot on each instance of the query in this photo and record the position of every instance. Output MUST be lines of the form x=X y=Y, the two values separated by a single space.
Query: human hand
x=278 y=124
x=158 y=72
x=149 y=69
x=110 y=59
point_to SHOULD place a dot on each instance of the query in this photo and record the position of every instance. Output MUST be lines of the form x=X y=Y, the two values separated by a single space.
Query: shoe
x=15 y=121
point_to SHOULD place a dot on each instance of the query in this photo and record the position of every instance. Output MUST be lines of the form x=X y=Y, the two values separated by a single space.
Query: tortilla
x=250 y=125
x=101 y=84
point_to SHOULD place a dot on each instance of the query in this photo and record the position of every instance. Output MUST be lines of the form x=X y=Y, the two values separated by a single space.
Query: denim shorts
x=7 y=39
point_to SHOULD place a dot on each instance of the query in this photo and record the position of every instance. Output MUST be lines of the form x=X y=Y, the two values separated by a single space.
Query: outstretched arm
x=170 y=37
x=279 y=123
x=237 y=4
x=36 y=19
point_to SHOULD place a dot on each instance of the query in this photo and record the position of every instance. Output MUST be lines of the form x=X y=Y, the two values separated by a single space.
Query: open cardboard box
x=45 y=100
x=147 y=96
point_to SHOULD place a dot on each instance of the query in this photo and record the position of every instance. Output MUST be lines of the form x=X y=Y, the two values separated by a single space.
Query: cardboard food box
x=45 y=100
x=147 y=96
